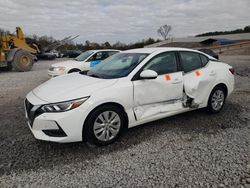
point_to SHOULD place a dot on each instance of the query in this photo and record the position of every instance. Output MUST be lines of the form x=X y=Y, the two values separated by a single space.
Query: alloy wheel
x=217 y=100
x=107 y=125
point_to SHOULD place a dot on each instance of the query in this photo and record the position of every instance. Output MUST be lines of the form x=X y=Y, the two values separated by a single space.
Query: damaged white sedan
x=128 y=89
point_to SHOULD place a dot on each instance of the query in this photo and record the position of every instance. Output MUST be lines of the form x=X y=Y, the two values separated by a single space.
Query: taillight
x=232 y=70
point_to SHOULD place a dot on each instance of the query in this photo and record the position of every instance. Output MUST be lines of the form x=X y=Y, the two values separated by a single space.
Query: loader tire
x=8 y=67
x=22 y=61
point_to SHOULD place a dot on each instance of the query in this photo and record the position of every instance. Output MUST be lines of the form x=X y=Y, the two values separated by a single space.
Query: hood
x=70 y=86
x=72 y=63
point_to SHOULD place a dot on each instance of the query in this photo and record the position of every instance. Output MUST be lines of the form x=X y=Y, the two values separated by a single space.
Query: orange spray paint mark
x=167 y=77
x=197 y=73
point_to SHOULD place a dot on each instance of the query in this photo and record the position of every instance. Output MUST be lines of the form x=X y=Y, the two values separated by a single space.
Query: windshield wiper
x=83 y=72
x=94 y=75
x=91 y=75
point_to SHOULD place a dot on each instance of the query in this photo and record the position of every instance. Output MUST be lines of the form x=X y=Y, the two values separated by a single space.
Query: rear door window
x=190 y=61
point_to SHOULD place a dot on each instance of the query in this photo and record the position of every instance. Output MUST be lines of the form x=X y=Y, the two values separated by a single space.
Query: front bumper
x=59 y=127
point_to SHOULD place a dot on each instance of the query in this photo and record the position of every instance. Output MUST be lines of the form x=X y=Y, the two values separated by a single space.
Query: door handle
x=176 y=81
x=212 y=73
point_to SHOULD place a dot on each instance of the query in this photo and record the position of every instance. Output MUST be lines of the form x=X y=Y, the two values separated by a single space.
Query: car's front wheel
x=216 y=100
x=73 y=70
x=104 y=125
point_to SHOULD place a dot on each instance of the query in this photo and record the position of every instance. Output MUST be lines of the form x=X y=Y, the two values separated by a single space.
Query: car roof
x=101 y=50
x=158 y=49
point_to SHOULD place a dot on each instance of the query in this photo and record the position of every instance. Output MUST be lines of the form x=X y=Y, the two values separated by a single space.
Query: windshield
x=84 y=56
x=117 y=66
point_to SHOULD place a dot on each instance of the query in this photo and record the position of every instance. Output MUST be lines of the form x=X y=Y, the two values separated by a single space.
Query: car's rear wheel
x=216 y=100
x=104 y=125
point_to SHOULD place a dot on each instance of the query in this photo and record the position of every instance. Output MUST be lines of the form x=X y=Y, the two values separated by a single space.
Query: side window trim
x=180 y=62
x=178 y=58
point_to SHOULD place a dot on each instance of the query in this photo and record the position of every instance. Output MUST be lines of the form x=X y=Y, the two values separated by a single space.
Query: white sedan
x=83 y=62
x=128 y=89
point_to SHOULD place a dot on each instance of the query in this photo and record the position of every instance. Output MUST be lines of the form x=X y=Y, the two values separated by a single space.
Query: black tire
x=210 y=107
x=74 y=70
x=8 y=68
x=88 y=131
x=23 y=61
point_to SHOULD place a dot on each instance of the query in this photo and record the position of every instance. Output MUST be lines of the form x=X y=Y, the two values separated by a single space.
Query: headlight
x=59 y=69
x=63 y=106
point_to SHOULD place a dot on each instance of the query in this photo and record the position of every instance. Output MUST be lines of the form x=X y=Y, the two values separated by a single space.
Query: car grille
x=32 y=111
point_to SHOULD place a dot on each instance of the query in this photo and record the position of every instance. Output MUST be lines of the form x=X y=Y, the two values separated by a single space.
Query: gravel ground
x=194 y=149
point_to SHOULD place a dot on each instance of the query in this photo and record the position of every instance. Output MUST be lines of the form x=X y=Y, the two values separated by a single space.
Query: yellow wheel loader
x=15 y=53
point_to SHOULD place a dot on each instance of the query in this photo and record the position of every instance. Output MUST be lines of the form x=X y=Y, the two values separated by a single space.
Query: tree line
x=44 y=41
x=243 y=30
x=163 y=31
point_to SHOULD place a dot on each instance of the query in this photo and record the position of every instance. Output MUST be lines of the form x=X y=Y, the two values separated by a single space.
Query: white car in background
x=128 y=89
x=83 y=62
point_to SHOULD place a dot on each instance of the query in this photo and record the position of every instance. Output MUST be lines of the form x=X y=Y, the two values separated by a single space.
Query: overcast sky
x=122 y=20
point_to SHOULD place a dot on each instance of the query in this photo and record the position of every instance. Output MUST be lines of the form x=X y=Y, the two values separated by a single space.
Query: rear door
x=198 y=76
x=162 y=94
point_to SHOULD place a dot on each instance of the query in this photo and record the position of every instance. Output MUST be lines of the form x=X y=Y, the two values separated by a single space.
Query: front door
x=162 y=94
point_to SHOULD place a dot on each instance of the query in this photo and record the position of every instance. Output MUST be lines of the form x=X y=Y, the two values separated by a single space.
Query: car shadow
x=26 y=153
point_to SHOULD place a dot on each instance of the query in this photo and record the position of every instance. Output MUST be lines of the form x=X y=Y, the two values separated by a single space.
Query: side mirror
x=148 y=74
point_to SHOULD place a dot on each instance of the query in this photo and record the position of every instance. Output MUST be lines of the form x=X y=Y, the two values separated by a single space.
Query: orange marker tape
x=167 y=77
x=197 y=73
